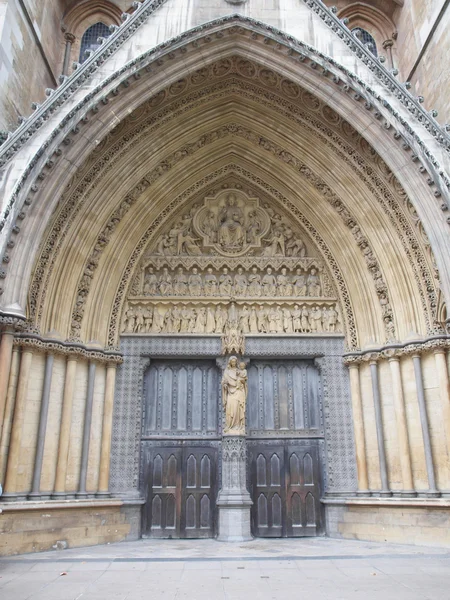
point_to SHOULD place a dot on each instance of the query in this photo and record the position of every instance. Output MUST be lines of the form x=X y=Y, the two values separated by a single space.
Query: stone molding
x=41 y=344
x=397 y=217
x=246 y=26
x=398 y=350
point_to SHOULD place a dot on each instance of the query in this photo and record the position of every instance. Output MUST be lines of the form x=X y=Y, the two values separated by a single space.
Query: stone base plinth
x=234 y=524
x=234 y=501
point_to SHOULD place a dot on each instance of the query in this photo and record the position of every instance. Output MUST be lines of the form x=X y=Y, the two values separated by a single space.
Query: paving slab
x=270 y=569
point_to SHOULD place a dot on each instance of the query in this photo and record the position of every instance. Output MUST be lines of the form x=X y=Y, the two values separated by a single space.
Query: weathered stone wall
x=425 y=525
x=38 y=527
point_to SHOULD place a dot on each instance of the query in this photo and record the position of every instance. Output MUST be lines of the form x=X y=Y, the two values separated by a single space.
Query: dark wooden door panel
x=198 y=498
x=180 y=487
x=285 y=489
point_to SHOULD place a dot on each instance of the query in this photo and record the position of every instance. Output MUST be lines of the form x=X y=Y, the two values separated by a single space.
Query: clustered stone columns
x=24 y=370
x=395 y=355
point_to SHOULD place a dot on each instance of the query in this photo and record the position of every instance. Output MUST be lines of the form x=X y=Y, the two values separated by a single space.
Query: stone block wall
x=419 y=525
x=52 y=526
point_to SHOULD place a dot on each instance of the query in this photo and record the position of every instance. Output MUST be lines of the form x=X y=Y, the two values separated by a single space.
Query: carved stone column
x=16 y=433
x=105 y=456
x=402 y=428
x=82 y=493
x=432 y=491
x=9 y=410
x=358 y=425
x=440 y=357
x=385 y=491
x=234 y=501
x=66 y=422
x=6 y=346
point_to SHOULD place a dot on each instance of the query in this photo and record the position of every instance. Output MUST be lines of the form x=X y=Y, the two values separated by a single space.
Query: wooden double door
x=180 y=476
x=180 y=488
x=286 y=488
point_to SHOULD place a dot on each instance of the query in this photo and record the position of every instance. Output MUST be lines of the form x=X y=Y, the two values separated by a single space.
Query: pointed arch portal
x=226 y=169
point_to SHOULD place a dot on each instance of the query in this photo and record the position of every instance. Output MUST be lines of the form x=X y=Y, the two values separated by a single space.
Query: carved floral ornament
x=397 y=351
x=398 y=217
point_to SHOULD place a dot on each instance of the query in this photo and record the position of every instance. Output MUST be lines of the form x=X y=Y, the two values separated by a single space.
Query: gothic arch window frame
x=84 y=15
x=372 y=20
x=90 y=37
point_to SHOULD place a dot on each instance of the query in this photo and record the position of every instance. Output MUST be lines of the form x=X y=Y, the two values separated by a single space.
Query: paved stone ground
x=312 y=569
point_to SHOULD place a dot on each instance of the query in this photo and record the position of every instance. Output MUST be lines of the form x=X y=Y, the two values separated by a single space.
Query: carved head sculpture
x=298 y=271
x=313 y=271
x=150 y=270
x=210 y=270
x=283 y=271
x=233 y=362
x=195 y=271
x=231 y=200
x=269 y=271
x=254 y=270
x=180 y=270
x=240 y=270
x=225 y=271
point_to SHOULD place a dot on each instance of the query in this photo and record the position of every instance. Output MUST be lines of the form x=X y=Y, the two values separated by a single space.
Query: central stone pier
x=234 y=501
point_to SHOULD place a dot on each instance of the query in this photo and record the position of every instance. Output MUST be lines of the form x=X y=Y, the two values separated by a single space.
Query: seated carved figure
x=254 y=280
x=210 y=284
x=231 y=234
x=269 y=283
x=313 y=283
x=225 y=283
x=195 y=283
x=180 y=284
x=240 y=283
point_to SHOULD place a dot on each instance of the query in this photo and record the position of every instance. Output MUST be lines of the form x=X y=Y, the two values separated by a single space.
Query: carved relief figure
x=195 y=283
x=269 y=283
x=262 y=320
x=315 y=319
x=225 y=283
x=231 y=234
x=157 y=323
x=240 y=283
x=287 y=321
x=148 y=318
x=139 y=327
x=313 y=283
x=129 y=320
x=200 y=321
x=221 y=319
x=254 y=227
x=294 y=245
x=299 y=281
x=284 y=285
x=305 y=320
x=180 y=285
x=210 y=226
x=296 y=319
x=150 y=283
x=165 y=283
x=253 y=321
x=210 y=285
x=210 y=320
x=254 y=279
x=244 y=320
x=234 y=397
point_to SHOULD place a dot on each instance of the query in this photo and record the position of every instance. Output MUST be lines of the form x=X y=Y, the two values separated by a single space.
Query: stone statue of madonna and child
x=234 y=396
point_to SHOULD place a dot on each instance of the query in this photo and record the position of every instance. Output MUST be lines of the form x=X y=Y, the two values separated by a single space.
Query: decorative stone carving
x=208 y=316
x=234 y=396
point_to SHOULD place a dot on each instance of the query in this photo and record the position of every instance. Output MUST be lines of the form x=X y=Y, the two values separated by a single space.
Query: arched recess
x=82 y=15
x=374 y=21
x=268 y=137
